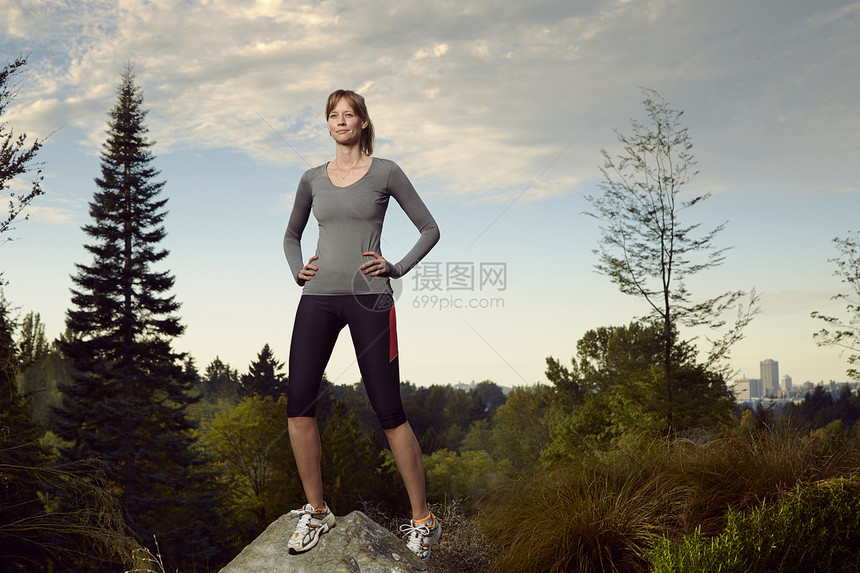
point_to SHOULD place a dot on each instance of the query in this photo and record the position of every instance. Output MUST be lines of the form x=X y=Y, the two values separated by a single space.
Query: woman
x=347 y=283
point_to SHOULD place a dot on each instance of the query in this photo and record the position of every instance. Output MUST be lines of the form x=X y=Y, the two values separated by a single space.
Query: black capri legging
x=372 y=325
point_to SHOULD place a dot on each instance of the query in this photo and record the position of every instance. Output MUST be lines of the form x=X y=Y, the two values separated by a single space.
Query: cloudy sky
x=497 y=111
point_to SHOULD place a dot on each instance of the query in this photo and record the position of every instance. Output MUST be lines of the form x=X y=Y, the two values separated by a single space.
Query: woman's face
x=344 y=125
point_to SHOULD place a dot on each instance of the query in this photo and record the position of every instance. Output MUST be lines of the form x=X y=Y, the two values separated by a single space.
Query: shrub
x=601 y=512
x=817 y=528
x=740 y=473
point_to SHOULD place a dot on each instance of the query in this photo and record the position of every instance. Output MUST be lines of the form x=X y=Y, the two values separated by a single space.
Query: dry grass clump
x=596 y=514
x=604 y=511
x=84 y=520
x=463 y=548
x=742 y=473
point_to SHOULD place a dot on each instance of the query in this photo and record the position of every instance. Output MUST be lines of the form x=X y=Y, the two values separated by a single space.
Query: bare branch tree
x=648 y=250
x=844 y=332
x=17 y=156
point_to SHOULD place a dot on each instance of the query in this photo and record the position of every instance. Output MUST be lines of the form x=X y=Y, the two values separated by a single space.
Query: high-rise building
x=742 y=389
x=756 y=388
x=785 y=382
x=747 y=389
x=770 y=376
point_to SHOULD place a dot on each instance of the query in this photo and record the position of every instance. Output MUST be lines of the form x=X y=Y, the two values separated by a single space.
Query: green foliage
x=817 y=528
x=441 y=416
x=819 y=409
x=834 y=436
x=461 y=410
x=844 y=332
x=479 y=437
x=32 y=345
x=249 y=450
x=748 y=425
x=17 y=157
x=490 y=394
x=740 y=473
x=521 y=426
x=352 y=463
x=19 y=454
x=468 y=476
x=615 y=389
x=431 y=441
x=40 y=381
x=423 y=406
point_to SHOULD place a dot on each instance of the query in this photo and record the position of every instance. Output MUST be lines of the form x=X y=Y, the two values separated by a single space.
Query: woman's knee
x=301 y=423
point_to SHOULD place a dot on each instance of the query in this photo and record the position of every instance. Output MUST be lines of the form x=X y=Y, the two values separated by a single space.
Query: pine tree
x=264 y=376
x=127 y=403
x=33 y=345
x=220 y=381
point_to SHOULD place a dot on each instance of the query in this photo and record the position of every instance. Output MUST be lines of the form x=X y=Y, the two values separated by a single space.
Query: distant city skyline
x=741 y=374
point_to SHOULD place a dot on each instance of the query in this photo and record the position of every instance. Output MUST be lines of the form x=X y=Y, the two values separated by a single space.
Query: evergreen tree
x=33 y=344
x=816 y=406
x=220 y=381
x=264 y=376
x=126 y=404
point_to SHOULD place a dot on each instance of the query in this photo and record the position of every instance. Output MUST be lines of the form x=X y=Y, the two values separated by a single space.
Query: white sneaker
x=311 y=525
x=422 y=537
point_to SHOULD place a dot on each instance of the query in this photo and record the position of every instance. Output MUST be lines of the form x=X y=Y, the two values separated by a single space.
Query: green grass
x=817 y=528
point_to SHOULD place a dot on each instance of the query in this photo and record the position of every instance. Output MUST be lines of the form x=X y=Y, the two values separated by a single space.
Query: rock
x=356 y=544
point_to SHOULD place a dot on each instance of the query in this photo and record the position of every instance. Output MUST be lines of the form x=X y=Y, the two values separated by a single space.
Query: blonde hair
x=360 y=108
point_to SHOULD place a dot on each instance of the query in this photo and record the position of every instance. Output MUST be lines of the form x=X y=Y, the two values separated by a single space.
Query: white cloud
x=55 y=215
x=476 y=97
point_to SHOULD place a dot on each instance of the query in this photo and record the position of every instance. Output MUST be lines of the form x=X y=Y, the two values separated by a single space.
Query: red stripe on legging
x=392 y=335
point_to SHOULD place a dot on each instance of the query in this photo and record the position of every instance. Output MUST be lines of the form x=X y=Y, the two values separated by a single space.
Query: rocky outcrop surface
x=356 y=544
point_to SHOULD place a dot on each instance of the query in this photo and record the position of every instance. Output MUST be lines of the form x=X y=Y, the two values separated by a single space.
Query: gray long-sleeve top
x=350 y=223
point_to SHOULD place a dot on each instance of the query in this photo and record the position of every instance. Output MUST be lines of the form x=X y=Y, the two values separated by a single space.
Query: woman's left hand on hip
x=374 y=267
